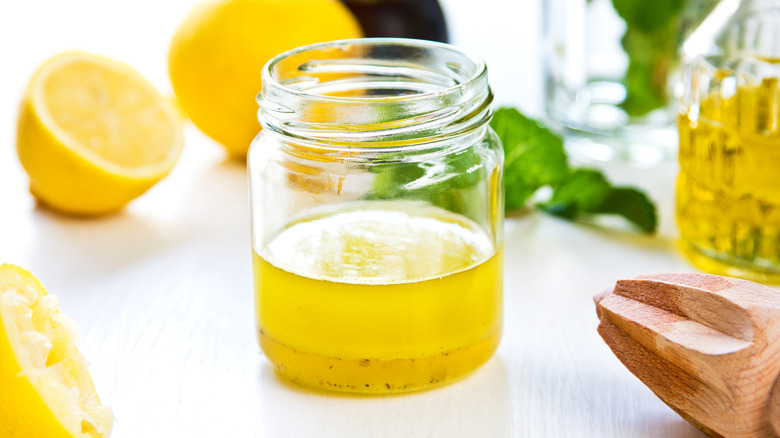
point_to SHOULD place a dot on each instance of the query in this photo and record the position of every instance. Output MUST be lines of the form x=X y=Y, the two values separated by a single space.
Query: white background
x=163 y=290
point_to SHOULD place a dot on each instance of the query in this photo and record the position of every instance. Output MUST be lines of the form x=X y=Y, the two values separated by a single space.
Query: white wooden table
x=163 y=290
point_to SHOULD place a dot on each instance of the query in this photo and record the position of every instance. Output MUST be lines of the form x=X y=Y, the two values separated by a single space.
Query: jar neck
x=374 y=93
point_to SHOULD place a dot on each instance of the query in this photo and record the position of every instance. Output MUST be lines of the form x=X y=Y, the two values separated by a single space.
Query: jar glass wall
x=377 y=215
x=728 y=191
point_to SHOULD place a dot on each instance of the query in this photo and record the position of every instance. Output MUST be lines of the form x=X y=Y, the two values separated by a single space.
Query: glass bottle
x=377 y=215
x=728 y=190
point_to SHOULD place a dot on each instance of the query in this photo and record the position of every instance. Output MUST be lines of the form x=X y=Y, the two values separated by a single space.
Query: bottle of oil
x=728 y=190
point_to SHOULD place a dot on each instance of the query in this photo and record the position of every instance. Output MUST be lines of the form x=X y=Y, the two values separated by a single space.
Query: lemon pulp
x=92 y=103
x=45 y=389
x=371 y=299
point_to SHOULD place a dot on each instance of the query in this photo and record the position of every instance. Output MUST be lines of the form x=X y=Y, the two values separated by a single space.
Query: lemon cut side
x=93 y=134
x=45 y=389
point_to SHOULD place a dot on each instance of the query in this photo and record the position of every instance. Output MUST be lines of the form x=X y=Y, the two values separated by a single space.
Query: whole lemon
x=218 y=53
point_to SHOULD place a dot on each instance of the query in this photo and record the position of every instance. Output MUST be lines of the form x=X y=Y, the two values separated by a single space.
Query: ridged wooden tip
x=708 y=346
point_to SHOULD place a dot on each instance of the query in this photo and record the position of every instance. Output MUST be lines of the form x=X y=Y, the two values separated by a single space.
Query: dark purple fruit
x=420 y=19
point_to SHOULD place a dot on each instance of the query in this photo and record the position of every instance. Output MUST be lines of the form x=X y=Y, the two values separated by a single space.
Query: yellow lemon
x=45 y=389
x=93 y=134
x=218 y=53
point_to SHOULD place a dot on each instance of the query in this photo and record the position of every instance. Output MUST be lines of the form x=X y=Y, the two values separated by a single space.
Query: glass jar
x=377 y=215
x=610 y=74
x=728 y=190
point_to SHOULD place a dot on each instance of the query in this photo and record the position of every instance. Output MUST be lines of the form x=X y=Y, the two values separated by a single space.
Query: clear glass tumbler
x=728 y=190
x=610 y=68
x=377 y=215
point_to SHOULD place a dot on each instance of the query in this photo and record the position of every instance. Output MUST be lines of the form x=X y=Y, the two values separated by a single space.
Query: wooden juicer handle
x=708 y=346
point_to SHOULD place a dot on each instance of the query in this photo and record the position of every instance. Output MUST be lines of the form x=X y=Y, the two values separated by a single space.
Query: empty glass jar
x=377 y=215
x=610 y=70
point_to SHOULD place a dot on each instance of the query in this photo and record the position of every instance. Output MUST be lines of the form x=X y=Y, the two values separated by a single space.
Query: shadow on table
x=203 y=208
x=476 y=406
x=91 y=244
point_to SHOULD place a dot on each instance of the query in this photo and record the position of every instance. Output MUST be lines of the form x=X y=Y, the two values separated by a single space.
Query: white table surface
x=163 y=290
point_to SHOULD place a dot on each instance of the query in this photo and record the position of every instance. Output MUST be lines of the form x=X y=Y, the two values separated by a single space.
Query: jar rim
x=370 y=90
x=478 y=62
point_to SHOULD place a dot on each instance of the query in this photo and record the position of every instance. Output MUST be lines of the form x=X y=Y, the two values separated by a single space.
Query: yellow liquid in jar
x=379 y=300
x=728 y=190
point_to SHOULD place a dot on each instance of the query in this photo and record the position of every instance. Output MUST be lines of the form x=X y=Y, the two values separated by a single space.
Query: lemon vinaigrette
x=377 y=300
x=377 y=216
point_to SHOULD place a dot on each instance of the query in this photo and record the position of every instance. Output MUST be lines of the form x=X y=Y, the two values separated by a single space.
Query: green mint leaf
x=583 y=190
x=533 y=156
x=632 y=204
x=587 y=192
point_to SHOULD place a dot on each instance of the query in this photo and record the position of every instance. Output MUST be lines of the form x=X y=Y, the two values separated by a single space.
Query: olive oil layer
x=728 y=191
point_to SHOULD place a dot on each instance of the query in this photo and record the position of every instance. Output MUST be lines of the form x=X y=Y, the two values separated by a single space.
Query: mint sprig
x=535 y=158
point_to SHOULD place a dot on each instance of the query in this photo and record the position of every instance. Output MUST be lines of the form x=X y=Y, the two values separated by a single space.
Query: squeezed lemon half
x=45 y=389
x=93 y=134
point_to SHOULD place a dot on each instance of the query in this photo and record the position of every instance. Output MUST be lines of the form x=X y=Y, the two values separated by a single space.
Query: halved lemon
x=93 y=134
x=45 y=389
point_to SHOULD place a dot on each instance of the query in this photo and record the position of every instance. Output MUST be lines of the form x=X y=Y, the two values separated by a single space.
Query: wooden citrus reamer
x=708 y=346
